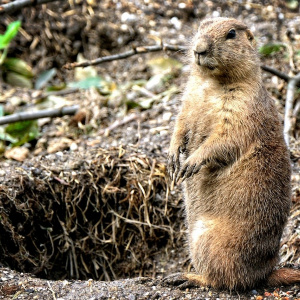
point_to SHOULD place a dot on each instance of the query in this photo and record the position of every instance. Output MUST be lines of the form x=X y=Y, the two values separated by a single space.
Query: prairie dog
x=228 y=149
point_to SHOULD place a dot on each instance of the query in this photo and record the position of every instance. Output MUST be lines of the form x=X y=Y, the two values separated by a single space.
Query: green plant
x=5 y=39
x=271 y=48
x=14 y=70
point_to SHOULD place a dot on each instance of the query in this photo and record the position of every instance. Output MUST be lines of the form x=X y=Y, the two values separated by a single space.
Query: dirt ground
x=65 y=153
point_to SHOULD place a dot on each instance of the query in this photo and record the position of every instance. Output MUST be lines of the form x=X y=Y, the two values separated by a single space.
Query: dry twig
x=50 y=288
x=127 y=119
x=22 y=116
x=289 y=117
x=275 y=72
x=296 y=109
x=134 y=51
x=19 y=4
x=41 y=94
x=118 y=123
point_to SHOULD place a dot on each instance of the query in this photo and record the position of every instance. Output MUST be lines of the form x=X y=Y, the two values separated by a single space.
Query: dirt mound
x=101 y=214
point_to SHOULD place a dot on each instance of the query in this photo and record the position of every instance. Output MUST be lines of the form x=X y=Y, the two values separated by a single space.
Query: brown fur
x=229 y=150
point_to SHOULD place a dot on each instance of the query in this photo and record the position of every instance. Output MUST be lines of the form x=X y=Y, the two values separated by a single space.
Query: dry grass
x=100 y=216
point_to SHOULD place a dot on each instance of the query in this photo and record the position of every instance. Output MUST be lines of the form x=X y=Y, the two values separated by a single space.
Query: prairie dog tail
x=284 y=276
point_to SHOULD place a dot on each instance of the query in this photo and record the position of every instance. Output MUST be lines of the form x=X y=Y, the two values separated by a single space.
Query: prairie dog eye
x=231 y=34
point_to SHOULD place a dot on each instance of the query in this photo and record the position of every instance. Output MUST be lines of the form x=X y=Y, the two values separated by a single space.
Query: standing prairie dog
x=228 y=149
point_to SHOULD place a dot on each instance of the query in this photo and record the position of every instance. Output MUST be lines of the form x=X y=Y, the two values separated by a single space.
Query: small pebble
x=254 y=292
x=216 y=14
x=73 y=147
x=131 y=297
x=128 y=18
x=176 y=23
x=167 y=116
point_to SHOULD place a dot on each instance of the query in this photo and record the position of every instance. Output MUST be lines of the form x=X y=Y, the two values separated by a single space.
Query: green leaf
x=50 y=101
x=6 y=137
x=3 y=56
x=44 y=78
x=1 y=111
x=82 y=73
x=58 y=87
x=18 y=66
x=23 y=131
x=15 y=79
x=88 y=82
x=164 y=65
x=10 y=33
x=269 y=49
x=147 y=103
x=132 y=104
x=292 y=4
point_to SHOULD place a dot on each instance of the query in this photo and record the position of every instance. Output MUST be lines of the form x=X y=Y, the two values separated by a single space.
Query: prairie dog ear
x=249 y=35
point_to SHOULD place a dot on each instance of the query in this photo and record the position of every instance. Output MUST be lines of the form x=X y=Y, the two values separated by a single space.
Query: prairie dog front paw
x=177 y=148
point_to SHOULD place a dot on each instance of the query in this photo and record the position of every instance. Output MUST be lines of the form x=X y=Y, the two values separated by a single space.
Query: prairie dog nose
x=201 y=46
x=200 y=50
x=198 y=54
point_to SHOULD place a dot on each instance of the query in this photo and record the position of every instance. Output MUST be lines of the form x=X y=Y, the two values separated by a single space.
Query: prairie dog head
x=225 y=48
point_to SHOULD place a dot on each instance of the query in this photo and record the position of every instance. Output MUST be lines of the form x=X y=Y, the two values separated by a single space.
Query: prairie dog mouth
x=202 y=60
x=211 y=67
x=199 y=57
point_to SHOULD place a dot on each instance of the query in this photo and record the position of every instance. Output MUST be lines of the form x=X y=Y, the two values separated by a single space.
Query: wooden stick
x=134 y=51
x=19 y=4
x=288 y=114
x=296 y=109
x=119 y=123
x=41 y=95
x=279 y=74
x=33 y=115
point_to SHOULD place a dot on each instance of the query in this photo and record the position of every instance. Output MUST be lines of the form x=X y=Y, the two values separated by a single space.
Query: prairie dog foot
x=183 y=280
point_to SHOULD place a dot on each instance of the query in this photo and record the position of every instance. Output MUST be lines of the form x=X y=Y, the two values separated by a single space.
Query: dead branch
x=134 y=51
x=275 y=72
x=118 y=123
x=41 y=95
x=19 y=4
x=33 y=115
x=290 y=113
x=51 y=289
x=127 y=119
x=296 y=109
x=289 y=118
